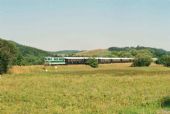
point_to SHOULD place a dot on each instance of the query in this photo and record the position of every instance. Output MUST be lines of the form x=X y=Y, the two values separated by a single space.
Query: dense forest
x=26 y=55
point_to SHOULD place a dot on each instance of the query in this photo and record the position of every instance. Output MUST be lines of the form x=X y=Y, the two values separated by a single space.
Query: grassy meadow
x=80 y=89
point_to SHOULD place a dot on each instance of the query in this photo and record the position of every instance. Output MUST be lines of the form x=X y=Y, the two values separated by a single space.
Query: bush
x=164 y=60
x=165 y=102
x=92 y=62
x=142 y=60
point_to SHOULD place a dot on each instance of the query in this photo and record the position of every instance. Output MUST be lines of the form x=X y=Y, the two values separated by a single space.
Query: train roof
x=90 y=57
x=95 y=58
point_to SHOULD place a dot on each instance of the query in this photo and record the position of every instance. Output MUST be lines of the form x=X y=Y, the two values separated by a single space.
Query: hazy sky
x=86 y=24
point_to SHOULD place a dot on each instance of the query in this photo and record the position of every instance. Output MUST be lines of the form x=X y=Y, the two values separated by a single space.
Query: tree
x=18 y=60
x=92 y=62
x=142 y=60
x=165 y=60
x=143 y=52
x=124 y=54
x=8 y=54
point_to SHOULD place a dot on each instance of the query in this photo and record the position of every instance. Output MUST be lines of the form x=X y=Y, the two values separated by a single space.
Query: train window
x=55 y=58
x=59 y=59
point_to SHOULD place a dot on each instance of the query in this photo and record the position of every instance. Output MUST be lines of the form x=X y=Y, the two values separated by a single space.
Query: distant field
x=79 y=89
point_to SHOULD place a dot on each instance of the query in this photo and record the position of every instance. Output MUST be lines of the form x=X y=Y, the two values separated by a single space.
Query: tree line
x=133 y=51
x=143 y=55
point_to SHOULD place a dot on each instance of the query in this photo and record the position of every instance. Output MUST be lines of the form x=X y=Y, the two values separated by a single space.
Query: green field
x=79 y=89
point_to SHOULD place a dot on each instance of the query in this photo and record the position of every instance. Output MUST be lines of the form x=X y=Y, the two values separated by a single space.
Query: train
x=83 y=60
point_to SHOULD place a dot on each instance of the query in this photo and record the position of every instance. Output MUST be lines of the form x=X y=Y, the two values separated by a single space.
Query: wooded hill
x=30 y=55
x=124 y=52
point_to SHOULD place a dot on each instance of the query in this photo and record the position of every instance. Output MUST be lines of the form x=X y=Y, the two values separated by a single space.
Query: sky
x=86 y=24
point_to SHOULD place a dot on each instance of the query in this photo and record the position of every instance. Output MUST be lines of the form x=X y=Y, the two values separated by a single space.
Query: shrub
x=165 y=60
x=142 y=60
x=165 y=102
x=92 y=62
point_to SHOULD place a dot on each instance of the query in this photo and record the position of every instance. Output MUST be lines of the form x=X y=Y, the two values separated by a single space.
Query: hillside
x=66 y=52
x=29 y=55
x=124 y=52
x=96 y=52
x=132 y=51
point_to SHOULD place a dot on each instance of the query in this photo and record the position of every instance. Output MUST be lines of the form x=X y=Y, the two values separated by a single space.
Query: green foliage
x=92 y=62
x=143 y=52
x=8 y=54
x=141 y=60
x=24 y=55
x=124 y=54
x=29 y=55
x=165 y=102
x=165 y=60
x=19 y=59
x=159 y=61
x=133 y=51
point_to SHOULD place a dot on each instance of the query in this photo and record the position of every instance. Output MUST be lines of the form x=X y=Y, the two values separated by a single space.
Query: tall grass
x=79 y=89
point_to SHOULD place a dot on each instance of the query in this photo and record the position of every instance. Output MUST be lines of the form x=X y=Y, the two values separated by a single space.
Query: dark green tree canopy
x=164 y=60
x=8 y=53
x=133 y=51
x=92 y=62
x=142 y=59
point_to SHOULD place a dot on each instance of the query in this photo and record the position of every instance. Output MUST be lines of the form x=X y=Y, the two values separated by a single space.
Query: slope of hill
x=66 y=52
x=97 y=52
x=155 y=52
x=124 y=52
x=29 y=55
